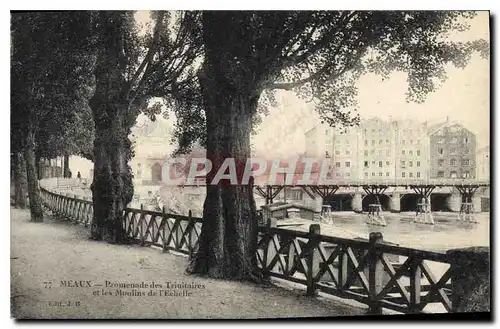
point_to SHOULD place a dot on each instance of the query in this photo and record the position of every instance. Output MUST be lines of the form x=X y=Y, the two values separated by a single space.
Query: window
x=418 y=152
x=372 y=152
x=347 y=164
x=440 y=173
x=366 y=164
x=453 y=174
x=373 y=131
x=403 y=142
x=347 y=174
x=347 y=152
x=364 y=130
x=411 y=141
x=453 y=162
x=366 y=153
x=326 y=132
x=327 y=154
x=337 y=152
x=387 y=163
x=337 y=174
x=466 y=151
x=441 y=141
x=366 y=142
x=373 y=174
x=418 y=174
x=410 y=163
x=387 y=141
x=402 y=164
x=453 y=151
x=380 y=142
x=411 y=175
x=466 y=174
x=347 y=141
x=403 y=174
x=403 y=152
x=381 y=132
x=387 y=174
x=465 y=162
x=418 y=141
x=453 y=140
x=418 y=163
x=387 y=153
x=373 y=161
x=466 y=140
x=373 y=142
x=380 y=153
x=366 y=174
x=440 y=151
x=380 y=164
x=411 y=152
x=337 y=141
x=440 y=162
x=337 y=164
x=380 y=174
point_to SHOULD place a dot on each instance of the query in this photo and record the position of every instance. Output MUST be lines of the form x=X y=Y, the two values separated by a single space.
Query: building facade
x=377 y=149
x=411 y=150
x=483 y=164
x=452 y=151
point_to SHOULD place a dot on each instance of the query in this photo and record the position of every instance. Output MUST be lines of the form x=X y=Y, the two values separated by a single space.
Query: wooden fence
x=371 y=272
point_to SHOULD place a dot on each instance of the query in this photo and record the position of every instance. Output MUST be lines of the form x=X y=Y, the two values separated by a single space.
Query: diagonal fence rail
x=374 y=273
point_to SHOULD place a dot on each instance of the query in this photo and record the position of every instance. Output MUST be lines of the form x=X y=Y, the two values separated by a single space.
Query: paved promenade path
x=60 y=253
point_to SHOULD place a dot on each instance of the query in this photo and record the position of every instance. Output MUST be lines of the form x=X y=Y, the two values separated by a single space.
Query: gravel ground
x=46 y=256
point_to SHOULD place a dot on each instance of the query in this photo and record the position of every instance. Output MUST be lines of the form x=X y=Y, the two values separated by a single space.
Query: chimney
x=447 y=119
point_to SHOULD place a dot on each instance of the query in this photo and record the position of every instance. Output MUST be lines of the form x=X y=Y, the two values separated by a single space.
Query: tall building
x=452 y=151
x=483 y=164
x=411 y=150
x=377 y=149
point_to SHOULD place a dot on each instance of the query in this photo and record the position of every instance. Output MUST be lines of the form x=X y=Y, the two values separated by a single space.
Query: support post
x=312 y=262
x=375 y=273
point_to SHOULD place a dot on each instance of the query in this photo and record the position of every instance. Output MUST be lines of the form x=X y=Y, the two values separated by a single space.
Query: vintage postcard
x=249 y=164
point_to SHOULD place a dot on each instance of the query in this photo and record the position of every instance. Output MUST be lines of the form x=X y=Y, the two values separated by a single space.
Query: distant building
x=483 y=164
x=377 y=149
x=411 y=150
x=452 y=151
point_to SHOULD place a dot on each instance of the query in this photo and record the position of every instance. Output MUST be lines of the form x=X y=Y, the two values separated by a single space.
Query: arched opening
x=384 y=200
x=409 y=202
x=439 y=202
x=156 y=173
x=339 y=202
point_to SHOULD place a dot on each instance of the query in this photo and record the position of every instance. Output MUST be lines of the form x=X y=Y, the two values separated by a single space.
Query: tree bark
x=228 y=239
x=66 y=166
x=19 y=167
x=33 y=190
x=112 y=187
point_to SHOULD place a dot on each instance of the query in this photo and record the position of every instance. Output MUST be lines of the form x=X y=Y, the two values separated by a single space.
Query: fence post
x=140 y=223
x=415 y=282
x=190 y=238
x=375 y=273
x=343 y=268
x=164 y=220
x=312 y=261
x=269 y=251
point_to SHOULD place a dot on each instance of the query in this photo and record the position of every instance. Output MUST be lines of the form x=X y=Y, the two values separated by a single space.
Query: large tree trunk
x=228 y=240
x=19 y=167
x=112 y=187
x=33 y=190
x=66 y=166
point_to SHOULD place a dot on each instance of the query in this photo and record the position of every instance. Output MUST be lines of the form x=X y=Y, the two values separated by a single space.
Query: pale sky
x=464 y=97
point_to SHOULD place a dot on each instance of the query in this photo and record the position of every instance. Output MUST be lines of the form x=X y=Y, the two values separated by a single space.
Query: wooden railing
x=379 y=275
x=371 y=272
